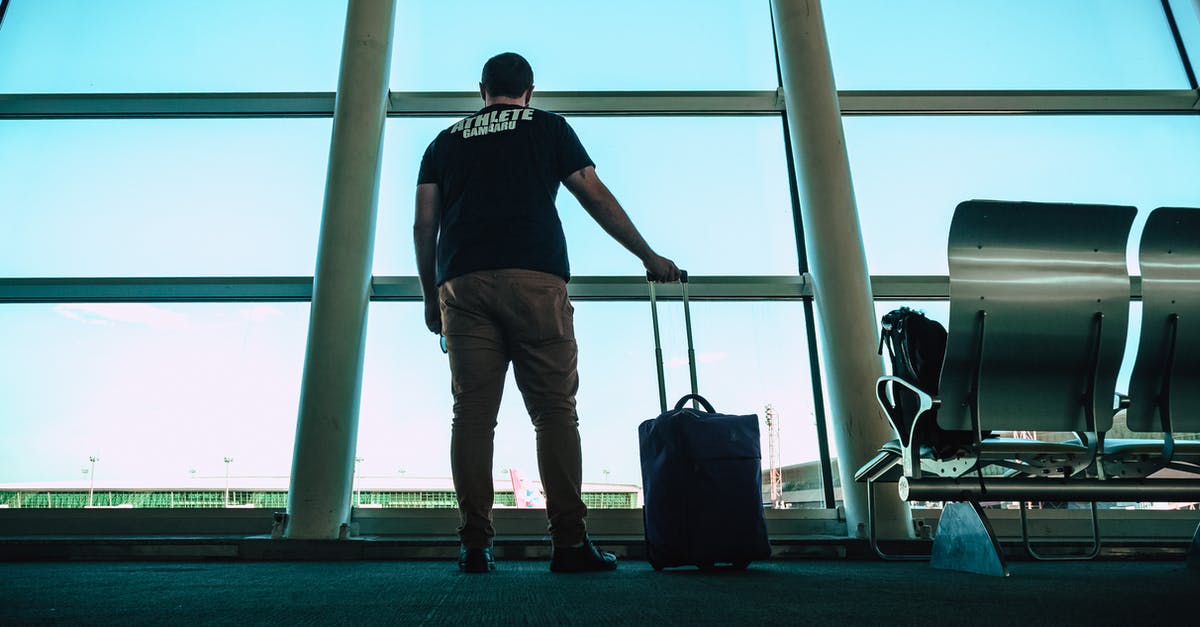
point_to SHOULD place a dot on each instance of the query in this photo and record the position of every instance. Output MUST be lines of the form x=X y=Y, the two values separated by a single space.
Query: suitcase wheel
x=731 y=566
x=650 y=558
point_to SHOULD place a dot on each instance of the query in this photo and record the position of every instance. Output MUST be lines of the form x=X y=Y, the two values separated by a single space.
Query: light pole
x=358 y=491
x=605 y=471
x=92 y=478
x=228 y=460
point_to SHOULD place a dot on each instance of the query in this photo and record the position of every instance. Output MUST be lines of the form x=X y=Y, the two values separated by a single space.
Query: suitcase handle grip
x=695 y=397
x=683 y=276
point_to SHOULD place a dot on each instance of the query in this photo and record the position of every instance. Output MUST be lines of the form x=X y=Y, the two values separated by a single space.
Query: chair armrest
x=904 y=426
x=885 y=461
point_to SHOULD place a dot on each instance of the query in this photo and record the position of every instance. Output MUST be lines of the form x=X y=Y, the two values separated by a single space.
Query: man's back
x=498 y=172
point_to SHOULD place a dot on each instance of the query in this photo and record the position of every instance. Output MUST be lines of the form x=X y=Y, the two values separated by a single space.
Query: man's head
x=506 y=75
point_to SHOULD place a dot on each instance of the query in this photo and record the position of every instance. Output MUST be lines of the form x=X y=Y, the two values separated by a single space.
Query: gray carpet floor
x=792 y=592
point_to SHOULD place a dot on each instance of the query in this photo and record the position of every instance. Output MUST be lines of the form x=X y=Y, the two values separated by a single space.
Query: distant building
x=271 y=492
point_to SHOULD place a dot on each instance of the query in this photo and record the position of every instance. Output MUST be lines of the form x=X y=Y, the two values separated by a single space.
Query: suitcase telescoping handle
x=658 y=354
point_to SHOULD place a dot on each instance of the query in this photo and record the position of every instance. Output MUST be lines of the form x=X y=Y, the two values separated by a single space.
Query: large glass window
x=749 y=355
x=161 y=197
x=622 y=44
x=160 y=393
x=711 y=193
x=1002 y=44
x=911 y=172
x=123 y=46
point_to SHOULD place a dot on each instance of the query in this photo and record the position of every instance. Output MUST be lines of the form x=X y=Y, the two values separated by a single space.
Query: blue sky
x=156 y=390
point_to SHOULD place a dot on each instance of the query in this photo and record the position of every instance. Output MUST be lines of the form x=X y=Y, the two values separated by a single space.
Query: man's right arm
x=600 y=203
x=425 y=232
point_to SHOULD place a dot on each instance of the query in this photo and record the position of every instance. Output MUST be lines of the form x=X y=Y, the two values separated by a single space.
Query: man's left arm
x=600 y=203
x=425 y=232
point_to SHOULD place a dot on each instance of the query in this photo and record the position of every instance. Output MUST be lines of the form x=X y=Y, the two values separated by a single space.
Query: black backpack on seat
x=916 y=346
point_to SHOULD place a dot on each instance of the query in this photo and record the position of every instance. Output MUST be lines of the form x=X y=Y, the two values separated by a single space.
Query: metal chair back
x=1039 y=311
x=1166 y=374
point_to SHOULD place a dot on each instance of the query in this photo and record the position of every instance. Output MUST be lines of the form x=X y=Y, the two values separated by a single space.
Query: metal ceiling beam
x=1009 y=102
x=605 y=103
x=120 y=106
x=407 y=289
x=155 y=290
x=401 y=288
x=405 y=104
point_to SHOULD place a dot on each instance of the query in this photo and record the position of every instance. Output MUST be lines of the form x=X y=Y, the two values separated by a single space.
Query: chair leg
x=871 y=532
x=965 y=542
x=1090 y=554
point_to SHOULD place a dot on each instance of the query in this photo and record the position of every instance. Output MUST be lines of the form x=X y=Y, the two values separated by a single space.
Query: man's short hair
x=507 y=74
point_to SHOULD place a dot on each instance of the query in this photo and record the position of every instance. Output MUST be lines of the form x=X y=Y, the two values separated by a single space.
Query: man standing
x=492 y=259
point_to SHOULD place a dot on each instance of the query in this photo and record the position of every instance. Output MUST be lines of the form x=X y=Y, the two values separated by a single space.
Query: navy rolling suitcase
x=701 y=478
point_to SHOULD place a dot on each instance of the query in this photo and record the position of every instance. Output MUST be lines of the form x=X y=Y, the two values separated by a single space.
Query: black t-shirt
x=498 y=172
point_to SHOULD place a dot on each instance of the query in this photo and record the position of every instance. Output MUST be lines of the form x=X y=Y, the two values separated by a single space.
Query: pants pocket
x=544 y=311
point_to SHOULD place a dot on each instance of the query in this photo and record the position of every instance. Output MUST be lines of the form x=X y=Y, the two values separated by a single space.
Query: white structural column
x=327 y=426
x=837 y=262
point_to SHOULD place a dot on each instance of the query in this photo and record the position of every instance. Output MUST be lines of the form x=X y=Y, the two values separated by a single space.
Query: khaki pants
x=490 y=318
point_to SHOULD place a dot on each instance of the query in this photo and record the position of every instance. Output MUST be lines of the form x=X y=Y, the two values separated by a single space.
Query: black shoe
x=476 y=560
x=581 y=559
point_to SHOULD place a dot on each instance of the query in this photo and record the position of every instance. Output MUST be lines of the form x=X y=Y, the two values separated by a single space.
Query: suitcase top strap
x=695 y=398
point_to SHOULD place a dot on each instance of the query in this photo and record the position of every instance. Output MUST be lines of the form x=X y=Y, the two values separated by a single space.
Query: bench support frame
x=966 y=542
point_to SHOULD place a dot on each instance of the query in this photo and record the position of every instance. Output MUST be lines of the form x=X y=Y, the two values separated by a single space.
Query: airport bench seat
x=1039 y=308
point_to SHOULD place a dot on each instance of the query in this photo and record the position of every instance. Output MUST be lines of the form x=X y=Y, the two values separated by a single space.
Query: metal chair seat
x=1143 y=457
x=1145 y=447
x=1018 y=455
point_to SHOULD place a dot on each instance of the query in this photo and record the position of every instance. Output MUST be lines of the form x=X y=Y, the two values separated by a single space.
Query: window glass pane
x=1187 y=18
x=710 y=193
x=161 y=197
x=180 y=46
x=749 y=355
x=154 y=391
x=404 y=141
x=911 y=172
x=1002 y=44
x=622 y=44
x=404 y=415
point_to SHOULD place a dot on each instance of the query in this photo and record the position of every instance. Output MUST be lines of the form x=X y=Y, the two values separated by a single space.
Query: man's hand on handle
x=662 y=270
